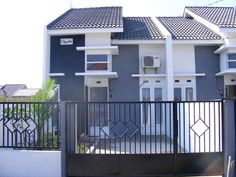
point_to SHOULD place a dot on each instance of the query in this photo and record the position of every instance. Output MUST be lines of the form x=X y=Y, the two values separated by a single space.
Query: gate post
x=229 y=115
x=63 y=138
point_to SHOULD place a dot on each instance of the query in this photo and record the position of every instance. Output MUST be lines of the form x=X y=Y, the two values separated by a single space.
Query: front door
x=152 y=110
x=98 y=111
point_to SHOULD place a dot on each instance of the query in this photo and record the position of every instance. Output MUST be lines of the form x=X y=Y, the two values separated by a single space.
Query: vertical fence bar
x=175 y=131
x=184 y=121
x=63 y=111
x=3 y=125
x=155 y=122
x=171 y=125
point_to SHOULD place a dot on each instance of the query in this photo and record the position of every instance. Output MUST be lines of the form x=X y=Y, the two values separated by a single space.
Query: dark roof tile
x=187 y=29
x=224 y=17
x=97 y=17
x=138 y=28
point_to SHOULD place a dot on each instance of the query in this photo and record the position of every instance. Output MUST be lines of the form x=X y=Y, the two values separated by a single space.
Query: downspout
x=46 y=55
x=169 y=60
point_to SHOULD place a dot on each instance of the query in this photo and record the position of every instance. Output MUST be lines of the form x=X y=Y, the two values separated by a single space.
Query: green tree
x=44 y=110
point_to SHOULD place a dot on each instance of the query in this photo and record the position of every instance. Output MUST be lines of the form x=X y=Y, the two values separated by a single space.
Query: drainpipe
x=46 y=55
x=169 y=60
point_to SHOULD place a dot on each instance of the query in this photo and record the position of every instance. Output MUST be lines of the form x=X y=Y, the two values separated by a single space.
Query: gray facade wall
x=208 y=86
x=125 y=87
x=66 y=59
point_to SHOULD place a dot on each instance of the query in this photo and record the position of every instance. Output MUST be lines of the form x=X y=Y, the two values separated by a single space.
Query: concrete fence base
x=26 y=163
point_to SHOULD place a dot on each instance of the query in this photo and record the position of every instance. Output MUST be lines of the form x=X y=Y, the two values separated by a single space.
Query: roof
x=187 y=29
x=138 y=28
x=25 y=92
x=97 y=17
x=224 y=17
x=10 y=89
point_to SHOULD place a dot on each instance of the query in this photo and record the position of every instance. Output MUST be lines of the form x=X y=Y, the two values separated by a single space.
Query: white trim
x=228 y=30
x=169 y=68
x=223 y=48
x=98 y=74
x=113 y=49
x=189 y=74
x=204 y=42
x=56 y=74
x=148 y=75
x=161 y=41
x=227 y=72
x=205 y=22
x=85 y=30
x=169 y=60
x=46 y=55
x=160 y=26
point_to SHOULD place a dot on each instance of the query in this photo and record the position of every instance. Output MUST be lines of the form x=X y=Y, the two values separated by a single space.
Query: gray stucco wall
x=207 y=62
x=125 y=87
x=66 y=59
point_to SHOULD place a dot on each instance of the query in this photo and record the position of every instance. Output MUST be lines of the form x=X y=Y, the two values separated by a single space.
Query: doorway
x=152 y=110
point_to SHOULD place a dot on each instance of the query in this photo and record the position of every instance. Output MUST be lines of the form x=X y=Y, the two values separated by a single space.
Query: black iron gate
x=143 y=138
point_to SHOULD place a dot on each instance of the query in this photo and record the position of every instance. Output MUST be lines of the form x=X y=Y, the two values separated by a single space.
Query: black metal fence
x=28 y=125
x=146 y=127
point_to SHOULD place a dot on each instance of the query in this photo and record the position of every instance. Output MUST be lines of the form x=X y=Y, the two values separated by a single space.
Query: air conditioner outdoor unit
x=151 y=62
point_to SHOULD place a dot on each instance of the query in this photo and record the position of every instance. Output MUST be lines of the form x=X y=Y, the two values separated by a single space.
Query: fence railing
x=147 y=127
x=28 y=125
x=115 y=127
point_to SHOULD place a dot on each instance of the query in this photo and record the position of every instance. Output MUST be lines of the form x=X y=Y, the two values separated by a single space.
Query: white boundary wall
x=25 y=163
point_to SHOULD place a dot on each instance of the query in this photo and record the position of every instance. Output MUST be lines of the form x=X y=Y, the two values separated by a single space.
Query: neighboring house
x=17 y=91
x=25 y=93
x=96 y=54
x=9 y=89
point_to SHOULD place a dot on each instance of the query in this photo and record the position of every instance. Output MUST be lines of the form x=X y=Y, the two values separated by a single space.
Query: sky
x=23 y=23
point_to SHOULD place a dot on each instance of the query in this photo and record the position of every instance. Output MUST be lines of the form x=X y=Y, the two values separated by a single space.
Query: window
x=97 y=62
x=183 y=94
x=189 y=94
x=146 y=106
x=232 y=60
x=177 y=94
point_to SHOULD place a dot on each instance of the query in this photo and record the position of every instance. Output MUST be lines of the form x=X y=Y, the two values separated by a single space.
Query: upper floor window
x=232 y=60
x=97 y=63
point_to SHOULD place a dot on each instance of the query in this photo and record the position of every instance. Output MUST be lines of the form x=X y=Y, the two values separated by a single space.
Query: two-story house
x=96 y=54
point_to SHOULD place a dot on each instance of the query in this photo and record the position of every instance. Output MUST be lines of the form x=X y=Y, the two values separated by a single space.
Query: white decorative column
x=168 y=61
x=169 y=69
x=46 y=55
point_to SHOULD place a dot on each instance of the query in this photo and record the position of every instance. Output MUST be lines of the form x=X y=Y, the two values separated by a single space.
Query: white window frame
x=108 y=62
x=183 y=91
x=230 y=61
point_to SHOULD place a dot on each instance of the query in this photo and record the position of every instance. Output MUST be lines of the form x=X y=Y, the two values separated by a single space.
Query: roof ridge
x=137 y=17
x=171 y=17
x=97 y=7
x=209 y=7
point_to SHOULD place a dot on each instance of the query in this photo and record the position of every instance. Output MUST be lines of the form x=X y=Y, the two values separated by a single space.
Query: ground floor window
x=183 y=94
